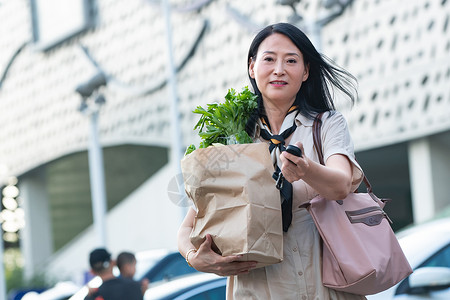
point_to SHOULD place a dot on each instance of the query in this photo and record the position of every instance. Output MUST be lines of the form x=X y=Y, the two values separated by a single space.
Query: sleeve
x=89 y=297
x=336 y=139
x=92 y=294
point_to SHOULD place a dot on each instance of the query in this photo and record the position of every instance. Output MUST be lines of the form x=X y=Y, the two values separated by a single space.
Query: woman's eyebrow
x=290 y=53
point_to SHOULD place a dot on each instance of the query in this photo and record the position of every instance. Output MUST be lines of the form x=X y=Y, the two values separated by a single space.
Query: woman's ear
x=251 y=65
x=306 y=73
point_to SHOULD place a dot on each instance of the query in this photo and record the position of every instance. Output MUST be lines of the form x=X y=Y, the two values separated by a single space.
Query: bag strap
x=317 y=130
x=317 y=126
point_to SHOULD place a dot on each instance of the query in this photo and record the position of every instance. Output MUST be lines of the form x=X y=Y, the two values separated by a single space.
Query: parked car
x=166 y=267
x=197 y=286
x=427 y=247
x=61 y=291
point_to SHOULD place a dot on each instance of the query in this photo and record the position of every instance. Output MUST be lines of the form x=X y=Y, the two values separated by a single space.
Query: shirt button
x=295 y=249
x=300 y=273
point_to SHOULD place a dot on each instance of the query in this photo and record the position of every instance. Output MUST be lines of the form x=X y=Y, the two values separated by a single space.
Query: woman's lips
x=278 y=83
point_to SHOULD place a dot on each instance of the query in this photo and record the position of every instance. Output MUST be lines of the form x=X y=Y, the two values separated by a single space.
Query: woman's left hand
x=294 y=167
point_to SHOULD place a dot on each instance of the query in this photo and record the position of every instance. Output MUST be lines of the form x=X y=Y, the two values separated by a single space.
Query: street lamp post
x=176 y=140
x=96 y=169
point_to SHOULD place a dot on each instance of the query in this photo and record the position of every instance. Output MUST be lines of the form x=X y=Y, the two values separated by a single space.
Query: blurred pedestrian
x=112 y=288
x=126 y=262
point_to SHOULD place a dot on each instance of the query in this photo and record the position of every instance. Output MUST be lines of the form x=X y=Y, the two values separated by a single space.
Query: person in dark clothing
x=126 y=262
x=112 y=288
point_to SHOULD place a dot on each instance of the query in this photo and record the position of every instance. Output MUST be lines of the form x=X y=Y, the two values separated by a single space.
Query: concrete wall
x=145 y=220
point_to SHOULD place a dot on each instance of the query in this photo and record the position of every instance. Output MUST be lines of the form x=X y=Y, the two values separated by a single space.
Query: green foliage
x=13 y=269
x=225 y=122
x=15 y=279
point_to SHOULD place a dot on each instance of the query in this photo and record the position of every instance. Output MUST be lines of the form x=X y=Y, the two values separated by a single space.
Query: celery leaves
x=225 y=122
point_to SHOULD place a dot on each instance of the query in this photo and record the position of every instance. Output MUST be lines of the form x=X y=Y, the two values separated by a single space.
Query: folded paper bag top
x=236 y=200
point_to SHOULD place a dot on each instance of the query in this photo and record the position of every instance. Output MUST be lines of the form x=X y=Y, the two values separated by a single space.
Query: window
x=56 y=21
x=440 y=259
x=169 y=268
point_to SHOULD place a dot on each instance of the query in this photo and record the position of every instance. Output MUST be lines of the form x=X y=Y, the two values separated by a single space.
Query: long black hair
x=315 y=94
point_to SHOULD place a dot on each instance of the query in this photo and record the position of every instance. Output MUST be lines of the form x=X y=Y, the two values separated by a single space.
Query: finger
x=231 y=258
x=300 y=145
x=288 y=167
x=233 y=268
x=208 y=242
x=285 y=158
x=240 y=265
x=231 y=263
x=246 y=269
x=294 y=160
x=247 y=266
x=233 y=271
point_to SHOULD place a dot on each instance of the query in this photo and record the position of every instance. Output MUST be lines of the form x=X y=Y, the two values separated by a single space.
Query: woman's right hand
x=206 y=260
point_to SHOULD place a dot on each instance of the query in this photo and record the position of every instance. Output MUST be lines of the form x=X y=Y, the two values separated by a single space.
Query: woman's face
x=278 y=70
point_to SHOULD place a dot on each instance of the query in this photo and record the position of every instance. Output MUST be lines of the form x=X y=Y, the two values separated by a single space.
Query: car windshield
x=146 y=260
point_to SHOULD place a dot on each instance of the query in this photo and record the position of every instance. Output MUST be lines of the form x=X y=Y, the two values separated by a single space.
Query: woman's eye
x=268 y=58
x=291 y=61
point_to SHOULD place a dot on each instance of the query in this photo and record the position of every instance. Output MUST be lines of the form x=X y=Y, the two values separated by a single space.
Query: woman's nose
x=279 y=68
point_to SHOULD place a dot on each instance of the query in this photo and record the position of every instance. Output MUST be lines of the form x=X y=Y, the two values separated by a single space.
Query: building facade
x=399 y=51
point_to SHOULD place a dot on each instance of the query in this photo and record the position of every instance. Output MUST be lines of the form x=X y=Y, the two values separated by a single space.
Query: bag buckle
x=278 y=176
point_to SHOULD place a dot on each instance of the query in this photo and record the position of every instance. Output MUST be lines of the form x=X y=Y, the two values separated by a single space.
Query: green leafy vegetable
x=224 y=123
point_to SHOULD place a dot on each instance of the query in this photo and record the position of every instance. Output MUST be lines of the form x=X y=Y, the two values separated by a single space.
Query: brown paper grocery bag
x=236 y=200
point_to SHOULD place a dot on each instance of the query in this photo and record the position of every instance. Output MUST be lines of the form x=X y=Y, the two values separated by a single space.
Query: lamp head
x=87 y=88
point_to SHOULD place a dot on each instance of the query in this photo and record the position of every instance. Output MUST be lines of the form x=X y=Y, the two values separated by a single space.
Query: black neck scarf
x=285 y=187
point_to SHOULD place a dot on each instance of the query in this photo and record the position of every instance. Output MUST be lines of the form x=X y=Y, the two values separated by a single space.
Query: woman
x=290 y=78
